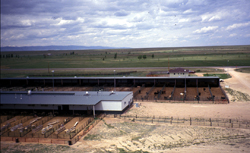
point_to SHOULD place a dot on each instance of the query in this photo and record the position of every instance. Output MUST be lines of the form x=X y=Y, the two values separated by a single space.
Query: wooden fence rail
x=219 y=122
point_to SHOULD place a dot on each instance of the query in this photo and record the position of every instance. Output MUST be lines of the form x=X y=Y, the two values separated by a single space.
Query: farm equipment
x=5 y=127
x=36 y=119
x=14 y=128
x=72 y=129
x=54 y=122
x=46 y=129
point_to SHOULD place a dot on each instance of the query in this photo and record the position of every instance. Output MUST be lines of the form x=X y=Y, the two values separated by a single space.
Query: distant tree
x=139 y=57
x=105 y=52
x=153 y=55
x=103 y=59
x=144 y=56
x=115 y=56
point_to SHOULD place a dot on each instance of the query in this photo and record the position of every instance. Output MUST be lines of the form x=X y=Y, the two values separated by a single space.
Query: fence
x=49 y=132
x=5 y=118
x=139 y=90
x=88 y=128
x=219 y=122
x=159 y=95
x=225 y=95
x=187 y=98
x=49 y=138
x=18 y=133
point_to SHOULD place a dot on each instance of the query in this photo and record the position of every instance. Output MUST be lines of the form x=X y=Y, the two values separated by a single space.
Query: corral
x=144 y=88
x=63 y=109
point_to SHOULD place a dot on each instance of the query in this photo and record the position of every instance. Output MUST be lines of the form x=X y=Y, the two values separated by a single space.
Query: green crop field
x=128 y=58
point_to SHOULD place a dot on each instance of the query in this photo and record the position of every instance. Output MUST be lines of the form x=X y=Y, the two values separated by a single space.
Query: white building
x=179 y=72
x=67 y=100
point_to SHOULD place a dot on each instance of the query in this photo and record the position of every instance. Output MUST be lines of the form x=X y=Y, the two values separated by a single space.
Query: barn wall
x=127 y=100
x=109 y=106
x=40 y=107
x=78 y=107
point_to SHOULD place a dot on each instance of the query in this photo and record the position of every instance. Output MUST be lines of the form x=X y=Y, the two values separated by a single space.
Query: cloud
x=206 y=29
x=233 y=35
x=188 y=11
x=121 y=13
x=136 y=23
x=209 y=17
x=238 y=25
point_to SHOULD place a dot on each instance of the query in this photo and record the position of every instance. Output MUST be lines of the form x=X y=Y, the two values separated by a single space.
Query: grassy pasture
x=178 y=57
x=129 y=60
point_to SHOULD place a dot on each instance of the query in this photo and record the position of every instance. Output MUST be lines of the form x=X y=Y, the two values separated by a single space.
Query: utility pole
x=53 y=78
x=114 y=80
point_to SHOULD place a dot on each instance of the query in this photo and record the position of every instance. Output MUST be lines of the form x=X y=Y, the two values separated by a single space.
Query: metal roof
x=60 y=98
x=179 y=70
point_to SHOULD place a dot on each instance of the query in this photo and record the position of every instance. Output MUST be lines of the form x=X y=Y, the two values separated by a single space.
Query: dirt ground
x=119 y=136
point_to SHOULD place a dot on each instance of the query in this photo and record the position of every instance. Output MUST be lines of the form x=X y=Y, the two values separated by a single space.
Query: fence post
x=171 y=119
x=231 y=125
x=210 y=121
x=190 y=121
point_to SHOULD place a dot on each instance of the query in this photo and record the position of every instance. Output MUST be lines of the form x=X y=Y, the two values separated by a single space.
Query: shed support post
x=94 y=111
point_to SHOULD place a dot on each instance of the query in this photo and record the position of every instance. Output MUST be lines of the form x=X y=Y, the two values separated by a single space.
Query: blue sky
x=133 y=23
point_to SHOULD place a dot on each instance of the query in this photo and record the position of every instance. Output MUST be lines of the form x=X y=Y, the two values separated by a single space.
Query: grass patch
x=221 y=76
x=91 y=137
x=121 y=150
x=108 y=125
x=243 y=70
x=237 y=95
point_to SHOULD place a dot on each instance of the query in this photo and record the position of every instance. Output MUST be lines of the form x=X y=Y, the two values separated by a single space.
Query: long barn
x=66 y=101
x=108 y=94
x=112 y=81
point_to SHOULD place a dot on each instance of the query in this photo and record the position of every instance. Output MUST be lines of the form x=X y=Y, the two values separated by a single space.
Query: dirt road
x=239 y=81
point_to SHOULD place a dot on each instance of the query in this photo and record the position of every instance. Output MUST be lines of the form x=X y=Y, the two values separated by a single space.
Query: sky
x=125 y=23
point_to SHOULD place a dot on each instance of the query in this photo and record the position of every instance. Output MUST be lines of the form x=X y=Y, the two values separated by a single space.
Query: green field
x=221 y=76
x=127 y=58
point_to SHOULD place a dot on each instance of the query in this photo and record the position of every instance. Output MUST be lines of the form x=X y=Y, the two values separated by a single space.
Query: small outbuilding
x=179 y=72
